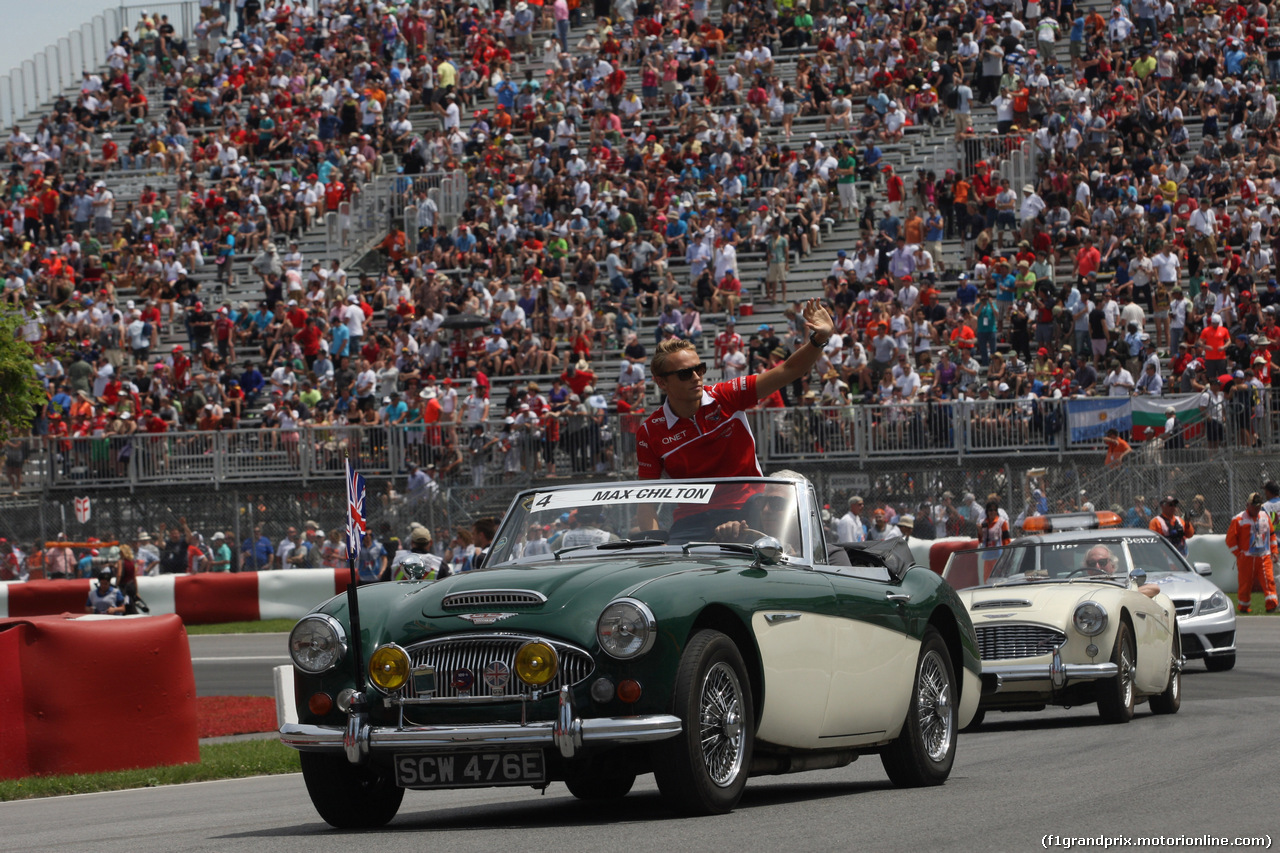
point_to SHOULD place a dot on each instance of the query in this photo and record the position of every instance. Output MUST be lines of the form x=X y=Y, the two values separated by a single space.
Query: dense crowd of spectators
x=620 y=175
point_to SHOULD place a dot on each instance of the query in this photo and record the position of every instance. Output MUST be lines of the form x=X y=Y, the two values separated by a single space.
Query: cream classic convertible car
x=1065 y=619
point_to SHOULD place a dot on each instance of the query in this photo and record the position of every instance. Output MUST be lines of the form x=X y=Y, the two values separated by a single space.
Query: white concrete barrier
x=291 y=594
x=1212 y=549
x=286 y=708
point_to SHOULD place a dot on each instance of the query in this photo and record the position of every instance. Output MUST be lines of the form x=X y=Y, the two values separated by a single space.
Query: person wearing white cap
x=1214 y=337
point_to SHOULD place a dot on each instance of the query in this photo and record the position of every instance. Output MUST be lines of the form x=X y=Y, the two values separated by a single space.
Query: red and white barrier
x=198 y=599
x=938 y=551
x=89 y=695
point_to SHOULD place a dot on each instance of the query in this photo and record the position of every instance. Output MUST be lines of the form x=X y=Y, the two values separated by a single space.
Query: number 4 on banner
x=82 y=510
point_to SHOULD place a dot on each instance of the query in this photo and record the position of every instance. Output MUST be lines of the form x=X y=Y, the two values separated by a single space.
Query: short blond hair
x=665 y=350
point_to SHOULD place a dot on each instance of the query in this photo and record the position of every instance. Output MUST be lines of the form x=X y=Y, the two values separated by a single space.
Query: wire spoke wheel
x=924 y=751
x=721 y=724
x=934 y=708
x=704 y=769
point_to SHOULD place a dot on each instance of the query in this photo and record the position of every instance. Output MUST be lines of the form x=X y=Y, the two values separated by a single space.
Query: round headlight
x=317 y=643
x=536 y=663
x=1090 y=618
x=389 y=667
x=626 y=629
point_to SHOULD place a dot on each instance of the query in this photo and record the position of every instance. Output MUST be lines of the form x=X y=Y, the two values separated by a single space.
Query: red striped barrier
x=13 y=722
x=942 y=549
x=74 y=710
x=199 y=599
x=212 y=598
x=48 y=598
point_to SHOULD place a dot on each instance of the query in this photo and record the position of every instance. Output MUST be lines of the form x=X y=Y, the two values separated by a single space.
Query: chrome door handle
x=779 y=618
x=900 y=597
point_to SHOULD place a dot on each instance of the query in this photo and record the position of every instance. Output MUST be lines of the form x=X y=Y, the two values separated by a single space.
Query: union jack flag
x=356 y=526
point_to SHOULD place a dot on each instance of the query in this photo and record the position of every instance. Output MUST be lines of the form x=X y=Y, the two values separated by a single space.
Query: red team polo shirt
x=717 y=442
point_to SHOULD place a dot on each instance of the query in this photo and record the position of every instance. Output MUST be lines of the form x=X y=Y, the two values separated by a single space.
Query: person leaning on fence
x=1117 y=449
x=1252 y=538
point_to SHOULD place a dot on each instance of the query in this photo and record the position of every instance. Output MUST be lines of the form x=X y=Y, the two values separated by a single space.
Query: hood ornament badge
x=484 y=618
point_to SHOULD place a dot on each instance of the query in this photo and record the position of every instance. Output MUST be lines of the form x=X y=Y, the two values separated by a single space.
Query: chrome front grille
x=1184 y=606
x=1003 y=642
x=475 y=652
x=493 y=598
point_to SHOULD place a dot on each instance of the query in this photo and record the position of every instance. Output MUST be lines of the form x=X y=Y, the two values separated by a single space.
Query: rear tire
x=923 y=753
x=1170 y=700
x=1220 y=663
x=1116 y=694
x=350 y=796
x=703 y=770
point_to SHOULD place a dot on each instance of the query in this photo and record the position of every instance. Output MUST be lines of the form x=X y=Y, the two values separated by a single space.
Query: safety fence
x=60 y=67
x=945 y=496
x=604 y=443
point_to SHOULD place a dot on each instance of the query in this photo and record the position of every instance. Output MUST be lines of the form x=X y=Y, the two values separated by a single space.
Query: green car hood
x=576 y=591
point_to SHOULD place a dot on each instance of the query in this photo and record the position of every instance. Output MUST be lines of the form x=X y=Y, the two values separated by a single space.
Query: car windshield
x=666 y=513
x=1093 y=559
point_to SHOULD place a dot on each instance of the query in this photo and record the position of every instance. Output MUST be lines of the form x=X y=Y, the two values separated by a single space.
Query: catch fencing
x=910 y=485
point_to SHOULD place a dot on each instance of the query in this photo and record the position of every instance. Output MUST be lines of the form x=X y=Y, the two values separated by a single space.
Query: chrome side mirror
x=1202 y=569
x=767 y=550
x=415 y=567
x=1138 y=576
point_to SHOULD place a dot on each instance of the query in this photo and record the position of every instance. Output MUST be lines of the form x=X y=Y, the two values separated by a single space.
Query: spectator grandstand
x=274 y=235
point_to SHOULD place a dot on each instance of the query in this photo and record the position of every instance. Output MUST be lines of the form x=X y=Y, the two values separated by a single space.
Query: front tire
x=703 y=770
x=1170 y=700
x=350 y=796
x=923 y=753
x=1116 y=696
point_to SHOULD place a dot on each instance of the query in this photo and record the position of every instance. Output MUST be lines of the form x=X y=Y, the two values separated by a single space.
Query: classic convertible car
x=1064 y=619
x=701 y=631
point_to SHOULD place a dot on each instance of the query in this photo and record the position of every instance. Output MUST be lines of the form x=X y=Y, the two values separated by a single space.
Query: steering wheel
x=1091 y=572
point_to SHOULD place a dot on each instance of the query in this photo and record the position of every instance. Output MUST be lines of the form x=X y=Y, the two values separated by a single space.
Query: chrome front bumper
x=567 y=733
x=1058 y=673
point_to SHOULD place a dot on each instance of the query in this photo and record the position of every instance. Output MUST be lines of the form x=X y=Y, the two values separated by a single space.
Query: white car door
x=873 y=659
x=1153 y=619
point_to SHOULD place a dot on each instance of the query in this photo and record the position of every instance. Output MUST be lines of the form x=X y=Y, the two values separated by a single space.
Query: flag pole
x=353 y=601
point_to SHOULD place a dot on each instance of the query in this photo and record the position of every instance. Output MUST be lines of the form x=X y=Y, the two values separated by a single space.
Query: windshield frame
x=957 y=562
x=515 y=522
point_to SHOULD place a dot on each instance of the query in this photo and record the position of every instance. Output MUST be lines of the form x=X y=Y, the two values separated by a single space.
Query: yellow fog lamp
x=389 y=668
x=536 y=663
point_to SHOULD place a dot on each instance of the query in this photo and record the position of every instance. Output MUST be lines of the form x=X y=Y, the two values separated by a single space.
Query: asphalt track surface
x=1210 y=770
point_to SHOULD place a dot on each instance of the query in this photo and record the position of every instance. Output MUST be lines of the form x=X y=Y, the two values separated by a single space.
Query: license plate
x=480 y=769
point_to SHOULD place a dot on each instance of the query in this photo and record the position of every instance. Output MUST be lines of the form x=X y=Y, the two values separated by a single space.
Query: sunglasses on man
x=684 y=374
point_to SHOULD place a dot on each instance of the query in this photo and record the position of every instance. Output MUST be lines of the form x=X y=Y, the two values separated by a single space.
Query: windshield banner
x=599 y=496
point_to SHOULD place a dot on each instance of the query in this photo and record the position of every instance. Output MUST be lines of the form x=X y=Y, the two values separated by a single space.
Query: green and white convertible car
x=702 y=631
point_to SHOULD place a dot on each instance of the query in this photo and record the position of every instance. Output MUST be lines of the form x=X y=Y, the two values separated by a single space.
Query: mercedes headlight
x=317 y=643
x=1090 y=618
x=1214 y=603
x=626 y=629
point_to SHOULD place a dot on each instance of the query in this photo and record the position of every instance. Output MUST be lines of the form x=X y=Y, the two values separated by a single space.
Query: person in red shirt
x=702 y=431
x=1215 y=338
x=578 y=377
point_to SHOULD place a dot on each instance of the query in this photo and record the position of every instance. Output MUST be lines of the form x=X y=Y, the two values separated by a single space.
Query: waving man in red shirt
x=701 y=431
